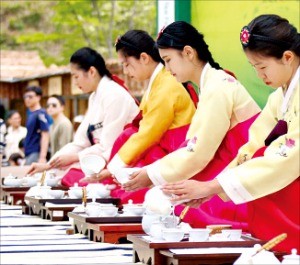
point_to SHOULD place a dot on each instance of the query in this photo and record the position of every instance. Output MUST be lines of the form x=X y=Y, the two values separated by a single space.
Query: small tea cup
x=199 y=234
x=56 y=194
x=232 y=234
x=172 y=234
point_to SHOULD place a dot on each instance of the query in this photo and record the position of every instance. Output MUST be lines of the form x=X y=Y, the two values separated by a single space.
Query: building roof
x=18 y=66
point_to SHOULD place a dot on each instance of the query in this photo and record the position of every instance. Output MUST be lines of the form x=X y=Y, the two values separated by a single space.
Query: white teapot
x=158 y=202
x=148 y=219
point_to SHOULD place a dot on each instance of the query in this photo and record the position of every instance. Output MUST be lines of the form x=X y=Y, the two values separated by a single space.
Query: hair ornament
x=245 y=36
x=117 y=40
x=160 y=32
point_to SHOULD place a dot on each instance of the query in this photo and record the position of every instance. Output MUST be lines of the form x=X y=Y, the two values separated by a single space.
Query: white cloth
x=13 y=137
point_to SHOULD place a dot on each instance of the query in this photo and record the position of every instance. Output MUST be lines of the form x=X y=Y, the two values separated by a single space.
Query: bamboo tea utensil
x=84 y=196
x=272 y=243
x=43 y=178
x=183 y=213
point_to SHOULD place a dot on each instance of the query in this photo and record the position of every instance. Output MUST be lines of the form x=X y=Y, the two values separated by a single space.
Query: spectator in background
x=15 y=133
x=37 y=139
x=61 y=131
x=2 y=131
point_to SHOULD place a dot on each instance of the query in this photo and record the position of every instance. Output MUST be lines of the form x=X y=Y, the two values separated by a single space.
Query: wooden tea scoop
x=183 y=213
x=43 y=178
x=272 y=243
x=84 y=196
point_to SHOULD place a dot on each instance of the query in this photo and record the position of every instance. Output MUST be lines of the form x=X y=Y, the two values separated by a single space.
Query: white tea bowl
x=172 y=234
x=108 y=211
x=199 y=234
x=232 y=234
x=92 y=164
x=56 y=194
x=75 y=192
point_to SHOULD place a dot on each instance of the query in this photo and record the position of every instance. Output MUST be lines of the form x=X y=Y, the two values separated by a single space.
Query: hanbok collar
x=102 y=84
x=158 y=68
x=202 y=77
x=289 y=92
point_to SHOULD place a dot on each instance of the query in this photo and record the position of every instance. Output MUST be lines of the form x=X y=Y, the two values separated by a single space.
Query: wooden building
x=20 y=69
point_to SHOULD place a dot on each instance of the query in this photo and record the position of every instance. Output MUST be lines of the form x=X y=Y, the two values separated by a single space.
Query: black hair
x=2 y=111
x=179 y=34
x=36 y=89
x=86 y=57
x=272 y=35
x=59 y=98
x=134 y=42
x=21 y=143
x=11 y=113
x=15 y=157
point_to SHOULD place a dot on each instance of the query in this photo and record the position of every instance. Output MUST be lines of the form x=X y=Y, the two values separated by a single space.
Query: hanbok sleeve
x=272 y=172
x=209 y=126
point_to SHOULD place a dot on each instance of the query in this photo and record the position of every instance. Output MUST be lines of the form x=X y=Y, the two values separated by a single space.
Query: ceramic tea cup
x=56 y=194
x=199 y=234
x=108 y=211
x=122 y=175
x=75 y=192
x=232 y=234
x=172 y=234
x=30 y=181
x=134 y=209
x=92 y=164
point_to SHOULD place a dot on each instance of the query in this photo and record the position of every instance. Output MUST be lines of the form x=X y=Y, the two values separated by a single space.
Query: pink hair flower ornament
x=245 y=36
x=160 y=32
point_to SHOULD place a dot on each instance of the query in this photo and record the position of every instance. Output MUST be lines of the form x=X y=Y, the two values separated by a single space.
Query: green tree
x=57 y=28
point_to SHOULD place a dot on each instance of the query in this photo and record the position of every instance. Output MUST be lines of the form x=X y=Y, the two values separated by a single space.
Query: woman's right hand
x=38 y=167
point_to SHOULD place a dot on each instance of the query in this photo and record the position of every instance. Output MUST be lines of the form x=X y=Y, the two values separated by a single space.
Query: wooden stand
x=112 y=233
x=35 y=205
x=56 y=213
x=13 y=195
x=158 y=253
x=81 y=222
x=171 y=258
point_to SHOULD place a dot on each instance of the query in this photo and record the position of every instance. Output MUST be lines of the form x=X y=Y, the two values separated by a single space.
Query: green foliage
x=57 y=28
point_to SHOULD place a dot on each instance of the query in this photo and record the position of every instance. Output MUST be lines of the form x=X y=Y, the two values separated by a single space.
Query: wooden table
x=112 y=233
x=81 y=221
x=171 y=258
x=56 y=212
x=151 y=253
x=35 y=204
x=13 y=195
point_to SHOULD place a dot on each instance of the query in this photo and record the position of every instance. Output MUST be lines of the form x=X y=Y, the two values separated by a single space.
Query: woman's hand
x=38 y=167
x=137 y=180
x=105 y=173
x=193 y=190
x=63 y=160
x=90 y=179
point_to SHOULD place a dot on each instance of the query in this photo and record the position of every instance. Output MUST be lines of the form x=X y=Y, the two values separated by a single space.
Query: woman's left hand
x=137 y=180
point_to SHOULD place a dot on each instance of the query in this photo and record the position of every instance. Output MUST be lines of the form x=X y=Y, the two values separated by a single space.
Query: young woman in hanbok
x=265 y=173
x=166 y=111
x=219 y=126
x=110 y=109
